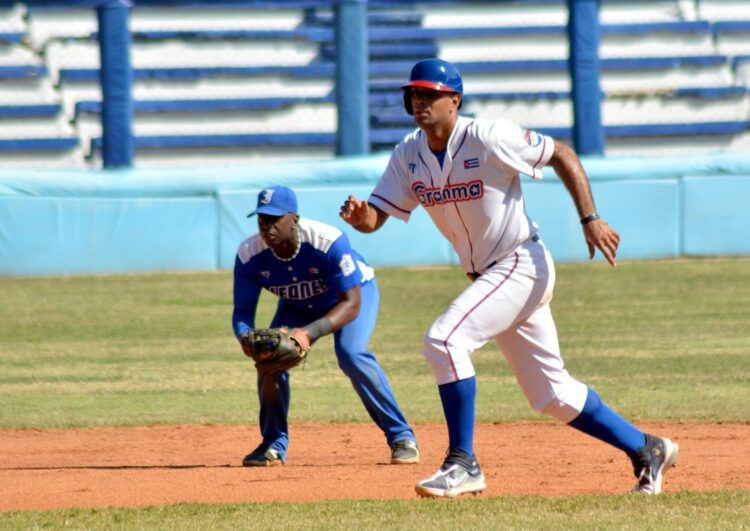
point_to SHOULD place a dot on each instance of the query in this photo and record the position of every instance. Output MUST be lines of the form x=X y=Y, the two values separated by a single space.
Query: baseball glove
x=275 y=349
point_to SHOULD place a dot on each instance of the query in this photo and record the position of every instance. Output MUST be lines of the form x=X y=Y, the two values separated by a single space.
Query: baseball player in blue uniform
x=324 y=287
x=466 y=174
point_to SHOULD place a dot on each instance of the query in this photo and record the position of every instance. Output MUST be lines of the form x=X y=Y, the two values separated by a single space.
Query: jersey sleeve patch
x=532 y=138
x=347 y=265
x=524 y=150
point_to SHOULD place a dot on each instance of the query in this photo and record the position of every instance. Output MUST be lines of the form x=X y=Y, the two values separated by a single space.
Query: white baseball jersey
x=475 y=199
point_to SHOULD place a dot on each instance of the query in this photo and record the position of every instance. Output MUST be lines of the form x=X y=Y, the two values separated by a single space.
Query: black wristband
x=319 y=328
x=589 y=218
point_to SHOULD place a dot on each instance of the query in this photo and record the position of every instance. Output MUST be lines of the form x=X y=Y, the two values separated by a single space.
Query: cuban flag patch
x=471 y=163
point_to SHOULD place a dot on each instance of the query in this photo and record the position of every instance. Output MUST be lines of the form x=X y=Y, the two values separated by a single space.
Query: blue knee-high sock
x=458 y=406
x=599 y=421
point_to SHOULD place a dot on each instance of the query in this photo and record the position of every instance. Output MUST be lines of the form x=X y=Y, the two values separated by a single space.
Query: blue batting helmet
x=434 y=74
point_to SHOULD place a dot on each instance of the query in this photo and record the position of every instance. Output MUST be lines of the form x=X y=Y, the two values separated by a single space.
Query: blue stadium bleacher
x=168 y=73
x=37 y=144
x=22 y=71
x=51 y=109
x=317 y=18
x=11 y=37
x=696 y=68
x=212 y=110
x=204 y=105
x=195 y=141
x=730 y=27
x=389 y=136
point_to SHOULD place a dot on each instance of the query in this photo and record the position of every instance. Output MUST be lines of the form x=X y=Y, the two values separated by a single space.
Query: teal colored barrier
x=77 y=222
x=68 y=235
x=645 y=212
x=716 y=217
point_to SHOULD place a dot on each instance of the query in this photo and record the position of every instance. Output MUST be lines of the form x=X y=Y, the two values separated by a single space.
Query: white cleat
x=460 y=474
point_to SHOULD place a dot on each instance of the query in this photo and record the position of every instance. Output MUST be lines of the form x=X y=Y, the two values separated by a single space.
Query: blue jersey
x=325 y=266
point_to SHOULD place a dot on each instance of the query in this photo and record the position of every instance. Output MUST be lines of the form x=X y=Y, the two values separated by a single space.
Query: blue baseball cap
x=276 y=201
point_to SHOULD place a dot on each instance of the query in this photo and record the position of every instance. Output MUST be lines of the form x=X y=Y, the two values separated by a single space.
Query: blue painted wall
x=716 y=215
x=77 y=222
x=69 y=235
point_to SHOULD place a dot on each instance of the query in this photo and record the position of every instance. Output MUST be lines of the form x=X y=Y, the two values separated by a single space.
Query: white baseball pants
x=510 y=303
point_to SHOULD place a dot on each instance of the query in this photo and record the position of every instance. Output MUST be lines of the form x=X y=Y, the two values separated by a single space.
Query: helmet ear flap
x=407 y=101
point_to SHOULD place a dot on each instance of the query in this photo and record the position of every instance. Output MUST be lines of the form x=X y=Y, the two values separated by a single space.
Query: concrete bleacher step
x=205 y=88
x=55 y=21
x=622 y=40
x=174 y=56
x=41 y=154
x=36 y=126
x=12 y=20
x=468 y=13
x=723 y=10
x=741 y=67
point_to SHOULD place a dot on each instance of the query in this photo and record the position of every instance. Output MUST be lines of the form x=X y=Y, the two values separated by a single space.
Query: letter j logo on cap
x=266 y=197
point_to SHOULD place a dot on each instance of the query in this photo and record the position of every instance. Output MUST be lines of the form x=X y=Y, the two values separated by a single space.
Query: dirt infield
x=47 y=469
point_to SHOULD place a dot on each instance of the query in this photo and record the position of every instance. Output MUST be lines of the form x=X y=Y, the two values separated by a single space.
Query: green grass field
x=664 y=340
x=689 y=511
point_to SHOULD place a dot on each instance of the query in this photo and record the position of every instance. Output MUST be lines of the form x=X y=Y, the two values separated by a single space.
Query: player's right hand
x=599 y=235
x=354 y=211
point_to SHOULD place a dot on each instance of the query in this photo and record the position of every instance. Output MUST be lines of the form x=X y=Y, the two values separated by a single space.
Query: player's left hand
x=599 y=235
x=354 y=211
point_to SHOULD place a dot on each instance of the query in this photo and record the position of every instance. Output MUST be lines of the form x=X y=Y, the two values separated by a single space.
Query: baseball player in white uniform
x=466 y=173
